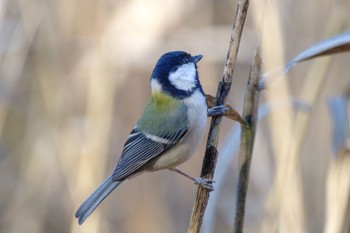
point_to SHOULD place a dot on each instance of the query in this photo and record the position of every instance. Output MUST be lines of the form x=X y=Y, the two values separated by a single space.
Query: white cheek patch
x=184 y=78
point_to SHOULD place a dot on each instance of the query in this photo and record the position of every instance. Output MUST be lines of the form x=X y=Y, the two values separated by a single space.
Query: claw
x=205 y=183
x=217 y=110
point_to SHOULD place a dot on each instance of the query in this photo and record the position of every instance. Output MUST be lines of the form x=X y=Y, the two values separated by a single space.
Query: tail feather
x=95 y=199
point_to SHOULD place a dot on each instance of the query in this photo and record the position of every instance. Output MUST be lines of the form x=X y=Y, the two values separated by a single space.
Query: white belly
x=197 y=121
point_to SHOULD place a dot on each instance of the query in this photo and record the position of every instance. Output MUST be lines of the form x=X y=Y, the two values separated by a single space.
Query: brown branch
x=211 y=153
x=250 y=115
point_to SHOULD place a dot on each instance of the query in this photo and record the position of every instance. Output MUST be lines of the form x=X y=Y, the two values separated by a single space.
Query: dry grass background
x=74 y=77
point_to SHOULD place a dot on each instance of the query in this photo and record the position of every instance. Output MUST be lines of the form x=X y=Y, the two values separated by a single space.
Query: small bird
x=169 y=131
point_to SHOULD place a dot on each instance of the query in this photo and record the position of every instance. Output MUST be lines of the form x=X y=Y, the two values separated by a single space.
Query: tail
x=95 y=199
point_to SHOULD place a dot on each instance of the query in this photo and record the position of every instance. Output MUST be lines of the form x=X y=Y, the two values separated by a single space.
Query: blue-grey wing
x=141 y=148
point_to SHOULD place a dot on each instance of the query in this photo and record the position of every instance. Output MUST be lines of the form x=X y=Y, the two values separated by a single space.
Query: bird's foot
x=217 y=111
x=205 y=183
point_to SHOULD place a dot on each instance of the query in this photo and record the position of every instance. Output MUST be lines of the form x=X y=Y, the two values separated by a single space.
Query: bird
x=169 y=130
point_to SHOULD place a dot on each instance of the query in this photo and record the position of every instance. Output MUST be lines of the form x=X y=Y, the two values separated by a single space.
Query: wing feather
x=141 y=148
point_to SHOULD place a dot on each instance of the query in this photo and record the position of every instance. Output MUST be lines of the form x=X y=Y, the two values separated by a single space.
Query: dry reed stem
x=338 y=194
x=286 y=217
x=250 y=115
x=287 y=200
x=211 y=153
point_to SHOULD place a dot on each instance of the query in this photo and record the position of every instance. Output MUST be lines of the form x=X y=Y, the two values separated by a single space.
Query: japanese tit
x=169 y=131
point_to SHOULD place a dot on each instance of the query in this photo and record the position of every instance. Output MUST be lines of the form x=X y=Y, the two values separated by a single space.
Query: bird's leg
x=217 y=110
x=205 y=183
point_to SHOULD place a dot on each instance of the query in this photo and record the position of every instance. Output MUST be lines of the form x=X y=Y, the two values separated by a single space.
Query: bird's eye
x=186 y=58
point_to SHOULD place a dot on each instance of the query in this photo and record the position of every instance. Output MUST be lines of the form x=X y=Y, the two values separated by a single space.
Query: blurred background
x=74 y=78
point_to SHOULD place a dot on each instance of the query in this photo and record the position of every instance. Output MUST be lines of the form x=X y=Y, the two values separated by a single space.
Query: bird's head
x=175 y=74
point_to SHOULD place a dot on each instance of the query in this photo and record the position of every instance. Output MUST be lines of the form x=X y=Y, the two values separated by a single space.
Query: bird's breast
x=197 y=121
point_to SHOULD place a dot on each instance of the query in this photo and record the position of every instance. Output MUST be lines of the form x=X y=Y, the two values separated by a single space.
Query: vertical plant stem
x=250 y=115
x=211 y=153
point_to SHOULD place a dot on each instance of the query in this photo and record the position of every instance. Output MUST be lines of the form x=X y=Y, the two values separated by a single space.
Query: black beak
x=197 y=58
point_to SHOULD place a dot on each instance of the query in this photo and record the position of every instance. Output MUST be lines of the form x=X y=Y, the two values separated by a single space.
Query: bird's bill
x=197 y=58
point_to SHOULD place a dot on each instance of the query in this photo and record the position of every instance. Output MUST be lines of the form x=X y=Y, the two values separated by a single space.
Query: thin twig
x=250 y=115
x=211 y=153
